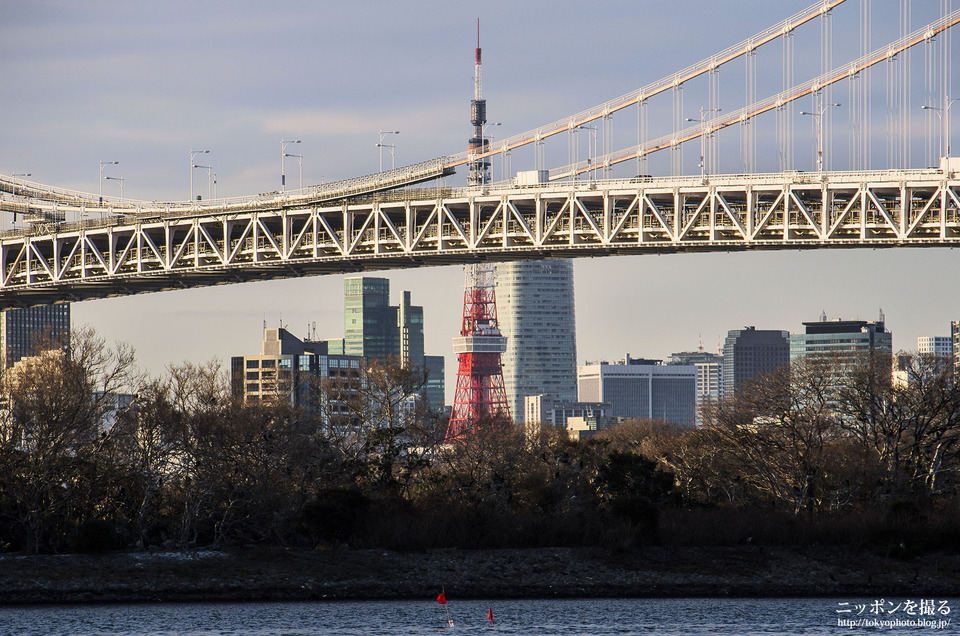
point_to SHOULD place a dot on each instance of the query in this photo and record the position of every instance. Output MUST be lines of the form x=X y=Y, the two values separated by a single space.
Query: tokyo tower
x=480 y=393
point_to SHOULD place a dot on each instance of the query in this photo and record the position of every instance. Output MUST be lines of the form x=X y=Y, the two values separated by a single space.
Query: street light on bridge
x=703 y=121
x=299 y=159
x=944 y=115
x=381 y=146
x=14 y=193
x=209 y=170
x=283 y=153
x=818 y=116
x=591 y=132
x=120 y=180
x=100 y=180
x=194 y=153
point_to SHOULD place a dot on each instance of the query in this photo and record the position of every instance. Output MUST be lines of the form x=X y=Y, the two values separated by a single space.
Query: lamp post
x=120 y=180
x=19 y=174
x=299 y=159
x=817 y=117
x=100 y=180
x=14 y=193
x=194 y=153
x=209 y=170
x=703 y=122
x=592 y=131
x=381 y=146
x=283 y=153
x=944 y=115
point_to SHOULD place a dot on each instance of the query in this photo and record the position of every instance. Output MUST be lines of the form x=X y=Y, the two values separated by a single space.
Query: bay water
x=600 y=617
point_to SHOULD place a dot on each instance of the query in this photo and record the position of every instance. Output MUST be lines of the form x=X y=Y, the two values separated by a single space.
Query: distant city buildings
x=751 y=352
x=291 y=370
x=547 y=410
x=376 y=330
x=640 y=388
x=22 y=330
x=535 y=307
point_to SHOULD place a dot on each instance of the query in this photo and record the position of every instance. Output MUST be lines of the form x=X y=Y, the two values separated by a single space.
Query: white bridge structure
x=78 y=246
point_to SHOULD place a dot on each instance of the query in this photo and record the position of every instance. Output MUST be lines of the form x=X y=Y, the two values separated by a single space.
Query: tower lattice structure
x=480 y=392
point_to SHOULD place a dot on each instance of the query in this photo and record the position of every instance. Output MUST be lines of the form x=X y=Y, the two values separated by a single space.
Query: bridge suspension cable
x=751 y=111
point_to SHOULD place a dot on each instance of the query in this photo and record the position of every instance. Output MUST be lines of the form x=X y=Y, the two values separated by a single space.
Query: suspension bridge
x=74 y=246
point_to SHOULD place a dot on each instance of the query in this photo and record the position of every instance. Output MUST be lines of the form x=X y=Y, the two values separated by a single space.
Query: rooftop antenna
x=477 y=169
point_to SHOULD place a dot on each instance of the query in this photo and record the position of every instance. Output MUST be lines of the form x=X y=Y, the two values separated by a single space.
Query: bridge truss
x=438 y=227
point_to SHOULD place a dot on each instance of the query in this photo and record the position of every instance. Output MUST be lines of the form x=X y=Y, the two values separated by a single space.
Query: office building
x=22 y=330
x=955 y=339
x=751 y=352
x=292 y=370
x=434 y=390
x=410 y=322
x=842 y=341
x=939 y=346
x=644 y=389
x=586 y=426
x=370 y=322
x=709 y=372
x=376 y=330
x=535 y=307
x=547 y=410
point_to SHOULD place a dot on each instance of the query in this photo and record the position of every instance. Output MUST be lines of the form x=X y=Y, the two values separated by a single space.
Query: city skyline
x=147 y=84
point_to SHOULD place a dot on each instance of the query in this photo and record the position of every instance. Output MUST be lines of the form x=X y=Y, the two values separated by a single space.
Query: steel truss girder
x=789 y=211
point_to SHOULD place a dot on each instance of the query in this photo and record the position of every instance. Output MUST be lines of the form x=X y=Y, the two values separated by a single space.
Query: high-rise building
x=370 y=323
x=410 y=319
x=642 y=389
x=940 y=346
x=750 y=352
x=22 y=330
x=709 y=370
x=376 y=330
x=841 y=340
x=535 y=303
x=434 y=391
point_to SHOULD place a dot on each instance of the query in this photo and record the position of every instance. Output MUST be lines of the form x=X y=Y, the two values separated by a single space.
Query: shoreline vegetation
x=275 y=574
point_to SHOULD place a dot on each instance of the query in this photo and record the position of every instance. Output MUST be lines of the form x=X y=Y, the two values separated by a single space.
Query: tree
x=52 y=446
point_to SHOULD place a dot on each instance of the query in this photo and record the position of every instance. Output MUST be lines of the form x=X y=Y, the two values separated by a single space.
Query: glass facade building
x=376 y=330
x=370 y=323
x=535 y=307
x=842 y=340
x=21 y=330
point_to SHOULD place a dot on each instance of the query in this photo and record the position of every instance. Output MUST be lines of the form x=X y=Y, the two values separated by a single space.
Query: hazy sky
x=144 y=83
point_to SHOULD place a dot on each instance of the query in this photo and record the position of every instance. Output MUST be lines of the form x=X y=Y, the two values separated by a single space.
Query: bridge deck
x=122 y=256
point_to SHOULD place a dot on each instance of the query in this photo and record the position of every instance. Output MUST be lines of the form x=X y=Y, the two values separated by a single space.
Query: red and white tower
x=480 y=392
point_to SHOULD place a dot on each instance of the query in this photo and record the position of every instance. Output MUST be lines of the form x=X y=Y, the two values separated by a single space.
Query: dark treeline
x=808 y=454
